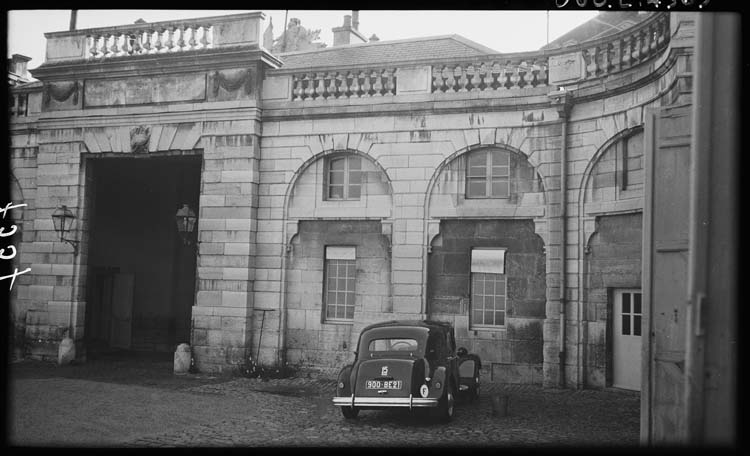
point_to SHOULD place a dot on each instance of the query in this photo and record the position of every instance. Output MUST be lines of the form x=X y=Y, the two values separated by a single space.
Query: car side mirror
x=462 y=351
x=355 y=352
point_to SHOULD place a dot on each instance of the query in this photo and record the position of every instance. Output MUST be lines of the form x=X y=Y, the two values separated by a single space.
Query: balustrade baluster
x=509 y=77
x=459 y=76
x=350 y=84
x=470 y=73
x=338 y=80
x=541 y=76
x=483 y=77
x=450 y=82
x=437 y=79
x=645 y=43
x=625 y=53
x=193 y=31
x=635 y=48
x=377 y=83
x=523 y=72
x=147 y=46
x=296 y=88
x=181 y=42
x=93 y=51
x=204 y=37
x=169 y=39
x=308 y=82
x=364 y=77
x=361 y=79
x=125 y=47
x=591 y=63
x=495 y=72
x=390 y=82
x=157 y=42
x=606 y=65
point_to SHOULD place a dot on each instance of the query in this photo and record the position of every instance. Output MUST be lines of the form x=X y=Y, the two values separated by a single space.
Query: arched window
x=343 y=177
x=487 y=174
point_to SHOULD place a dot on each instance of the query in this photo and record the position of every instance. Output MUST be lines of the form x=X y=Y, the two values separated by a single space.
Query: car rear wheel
x=447 y=404
x=350 y=413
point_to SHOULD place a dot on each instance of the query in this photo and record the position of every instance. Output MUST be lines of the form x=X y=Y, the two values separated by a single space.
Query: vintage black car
x=406 y=364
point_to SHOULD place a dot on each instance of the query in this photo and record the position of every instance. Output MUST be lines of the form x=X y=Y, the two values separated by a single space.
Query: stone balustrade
x=344 y=84
x=498 y=72
x=145 y=38
x=626 y=49
x=489 y=75
x=150 y=39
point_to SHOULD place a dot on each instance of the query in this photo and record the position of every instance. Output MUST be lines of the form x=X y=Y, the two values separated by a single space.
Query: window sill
x=338 y=322
x=488 y=328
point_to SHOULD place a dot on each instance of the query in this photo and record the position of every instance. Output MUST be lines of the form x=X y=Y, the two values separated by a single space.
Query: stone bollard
x=182 y=359
x=66 y=352
x=499 y=405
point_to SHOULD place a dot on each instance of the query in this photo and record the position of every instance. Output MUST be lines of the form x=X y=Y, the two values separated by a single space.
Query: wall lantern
x=185 y=219
x=63 y=220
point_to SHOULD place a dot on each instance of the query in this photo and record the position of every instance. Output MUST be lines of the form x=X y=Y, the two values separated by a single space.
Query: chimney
x=348 y=34
x=355 y=20
x=18 y=64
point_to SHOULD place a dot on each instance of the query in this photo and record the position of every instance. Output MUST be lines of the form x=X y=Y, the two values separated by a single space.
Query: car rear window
x=392 y=344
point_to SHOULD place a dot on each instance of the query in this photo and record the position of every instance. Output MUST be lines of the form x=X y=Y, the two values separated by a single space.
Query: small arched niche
x=341 y=184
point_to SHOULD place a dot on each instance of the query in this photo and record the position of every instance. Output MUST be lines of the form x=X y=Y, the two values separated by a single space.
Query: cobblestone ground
x=119 y=406
x=298 y=412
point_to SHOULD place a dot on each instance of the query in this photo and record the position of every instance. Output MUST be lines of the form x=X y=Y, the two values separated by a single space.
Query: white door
x=626 y=340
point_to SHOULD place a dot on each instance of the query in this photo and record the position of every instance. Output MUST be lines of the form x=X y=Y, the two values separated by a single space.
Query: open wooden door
x=665 y=273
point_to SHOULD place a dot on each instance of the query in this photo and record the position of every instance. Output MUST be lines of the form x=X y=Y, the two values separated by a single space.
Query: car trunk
x=386 y=378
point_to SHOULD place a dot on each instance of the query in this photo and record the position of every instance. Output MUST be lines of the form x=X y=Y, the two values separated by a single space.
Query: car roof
x=429 y=324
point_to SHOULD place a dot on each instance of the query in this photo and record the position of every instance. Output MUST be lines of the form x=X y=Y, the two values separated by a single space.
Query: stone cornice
x=157 y=64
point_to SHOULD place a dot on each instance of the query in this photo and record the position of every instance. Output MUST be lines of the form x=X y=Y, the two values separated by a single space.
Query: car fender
x=439 y=377
x=345 y=378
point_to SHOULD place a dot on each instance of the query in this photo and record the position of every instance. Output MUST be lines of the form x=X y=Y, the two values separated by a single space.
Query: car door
x=451 y=358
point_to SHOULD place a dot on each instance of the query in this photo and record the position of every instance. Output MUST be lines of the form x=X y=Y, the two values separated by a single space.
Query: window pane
x=500 y=171
x=637 y=303
x=355 y=162
x=626 y=325
x=476 y=317
x=477 y=160
x=626 y=303
x=355 y=177
x=488 y=320
x=500 y=188
x=637 y=325
x=500 y=158
x=336 y=178
x=499 y=318
x=477 y=187
x=336 y=163
x=354 y=191
x=336 y=192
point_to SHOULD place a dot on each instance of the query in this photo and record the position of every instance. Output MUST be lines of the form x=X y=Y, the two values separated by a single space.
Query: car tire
x=350 y=413
x=447 y=405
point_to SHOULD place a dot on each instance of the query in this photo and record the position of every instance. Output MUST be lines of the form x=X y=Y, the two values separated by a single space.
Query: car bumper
x=404 y=402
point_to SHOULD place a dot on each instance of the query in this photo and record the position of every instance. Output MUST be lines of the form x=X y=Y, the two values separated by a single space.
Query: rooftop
x=380 y=52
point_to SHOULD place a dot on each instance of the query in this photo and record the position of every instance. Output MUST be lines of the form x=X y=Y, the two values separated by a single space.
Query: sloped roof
x=436 y=47
x=605 y=23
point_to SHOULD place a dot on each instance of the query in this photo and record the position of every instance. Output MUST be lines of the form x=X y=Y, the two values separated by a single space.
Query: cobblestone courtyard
x=126 y=403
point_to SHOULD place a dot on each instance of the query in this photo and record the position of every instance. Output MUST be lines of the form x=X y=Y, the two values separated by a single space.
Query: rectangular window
x=487 y=174
x=338 y=289
x=488 y=287
x=343 y=177
x=631 y=314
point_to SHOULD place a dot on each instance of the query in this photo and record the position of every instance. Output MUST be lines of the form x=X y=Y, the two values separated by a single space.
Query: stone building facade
x=335 y=188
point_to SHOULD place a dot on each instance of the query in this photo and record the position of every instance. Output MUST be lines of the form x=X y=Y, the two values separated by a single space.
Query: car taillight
x=341 y=385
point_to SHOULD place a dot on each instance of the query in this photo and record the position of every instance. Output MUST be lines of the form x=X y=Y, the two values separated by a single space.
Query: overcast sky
x=503 y=31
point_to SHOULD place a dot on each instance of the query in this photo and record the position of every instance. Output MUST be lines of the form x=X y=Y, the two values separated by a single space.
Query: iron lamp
x=63 y=220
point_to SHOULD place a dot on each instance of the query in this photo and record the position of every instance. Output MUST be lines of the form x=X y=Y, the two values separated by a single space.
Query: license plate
x=384 y=384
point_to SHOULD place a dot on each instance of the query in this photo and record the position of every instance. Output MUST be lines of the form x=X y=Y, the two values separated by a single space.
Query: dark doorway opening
x=141 y=277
